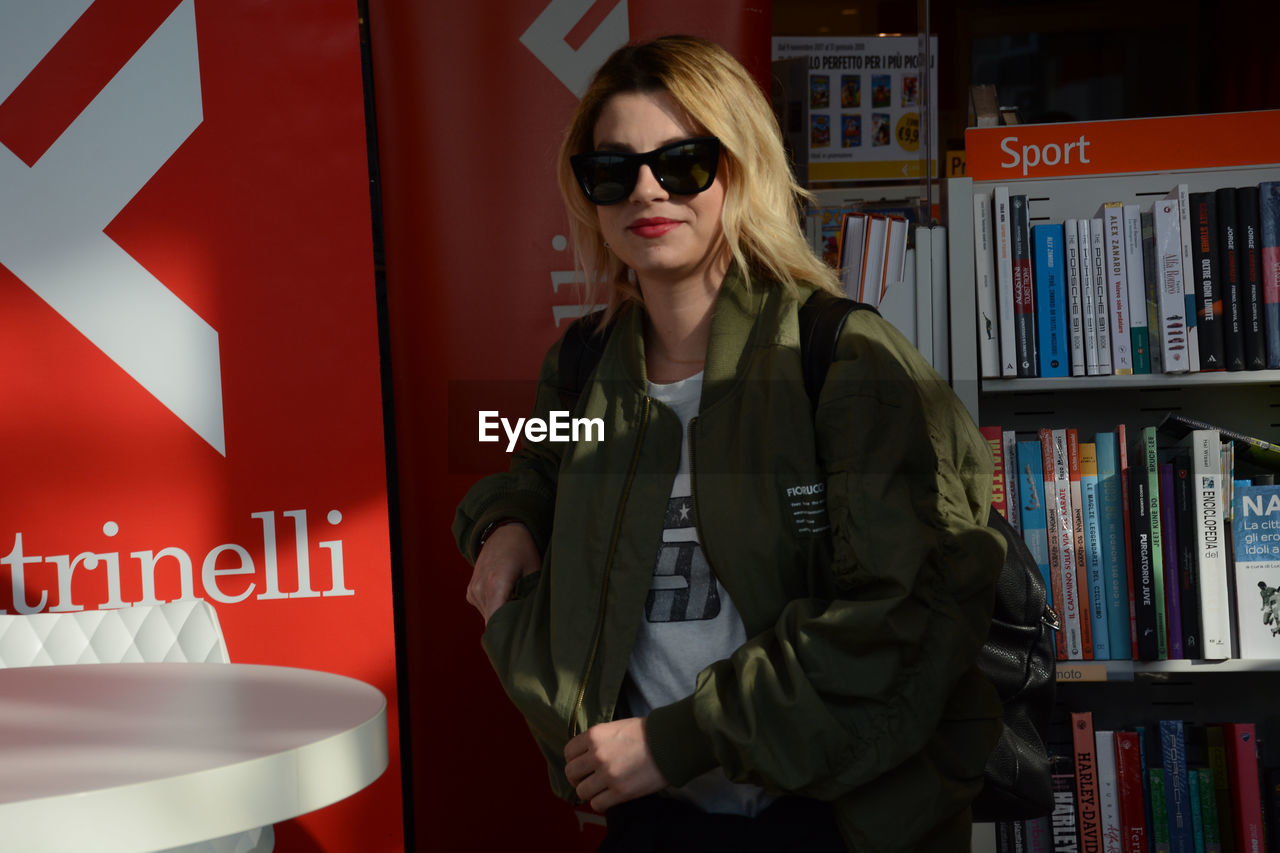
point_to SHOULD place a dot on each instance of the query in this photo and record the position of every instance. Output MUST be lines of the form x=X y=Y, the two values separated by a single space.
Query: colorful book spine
x=1039 y=831
x=1083 y=587
x=1241 y=743
x=1133 y=810
x=1126 y=503
x=1031 y=500
x=1024 y=300
x=1248 y=220
x=1269 y=226
x=1229 y=269
x=1011 y=836
x=1209 y=818
x=1065 y=605
x=1053 y=330
x=1151 y=465
x=1197 y=818
x=1255 y=528
x=994 y=436
x=1062 y=532
x=1159 y=810
x=1143 y=579
x=1075 y=297
x=1151 y=289
x=1009 y=447
x=1173 y=750
x=1112 y=216
x=1216 y=742
x=1188 y=569
x=1108 y=790
x=1181 y=194
x=1171 y=303
x=1085 y=750
x=1169 y=553
x=1205 y=447
x=1065 y=817
x=1136 y=283
x=1210 y=324
x=1095 y=565
x=1115 y=562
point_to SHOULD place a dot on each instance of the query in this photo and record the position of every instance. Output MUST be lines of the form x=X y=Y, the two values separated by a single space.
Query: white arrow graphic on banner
x=52 y=214
x=545 y=39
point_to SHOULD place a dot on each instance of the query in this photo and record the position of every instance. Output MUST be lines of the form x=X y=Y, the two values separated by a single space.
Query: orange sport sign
x=189 y=354
x=1015 y=152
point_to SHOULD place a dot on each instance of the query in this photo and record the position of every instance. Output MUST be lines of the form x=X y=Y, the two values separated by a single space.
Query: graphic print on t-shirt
x=684 y=590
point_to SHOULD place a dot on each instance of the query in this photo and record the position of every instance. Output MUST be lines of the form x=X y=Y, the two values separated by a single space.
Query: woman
x=733 y=610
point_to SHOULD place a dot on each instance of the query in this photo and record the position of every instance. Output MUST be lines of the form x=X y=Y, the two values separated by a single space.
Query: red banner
x=472 y=100
x=188 y=337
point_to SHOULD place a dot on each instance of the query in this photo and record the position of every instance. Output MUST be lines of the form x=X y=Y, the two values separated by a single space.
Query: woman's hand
x=508 y=554
x=611 y=763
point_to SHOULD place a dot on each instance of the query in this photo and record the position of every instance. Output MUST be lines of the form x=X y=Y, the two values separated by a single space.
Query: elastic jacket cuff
x=679 y=747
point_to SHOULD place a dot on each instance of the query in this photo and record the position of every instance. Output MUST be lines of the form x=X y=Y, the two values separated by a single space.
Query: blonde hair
x=759 y=219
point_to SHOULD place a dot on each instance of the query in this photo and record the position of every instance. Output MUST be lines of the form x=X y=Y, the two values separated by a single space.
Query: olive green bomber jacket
x=858 y=682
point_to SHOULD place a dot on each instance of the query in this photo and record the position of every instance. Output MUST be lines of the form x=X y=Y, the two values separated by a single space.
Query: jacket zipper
x=608 y=568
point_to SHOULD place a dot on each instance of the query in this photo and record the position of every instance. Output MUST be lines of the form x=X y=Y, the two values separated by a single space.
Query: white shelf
x=1162 y=381
x=1080 y=672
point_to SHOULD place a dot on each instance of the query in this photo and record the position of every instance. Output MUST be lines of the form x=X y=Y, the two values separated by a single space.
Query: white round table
x=144 y=756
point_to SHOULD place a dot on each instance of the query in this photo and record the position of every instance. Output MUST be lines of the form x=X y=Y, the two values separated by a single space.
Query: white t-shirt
x=689 y=621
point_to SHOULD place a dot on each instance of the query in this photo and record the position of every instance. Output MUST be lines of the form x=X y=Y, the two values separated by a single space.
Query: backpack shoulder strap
x=580 y=352
x=822 y=317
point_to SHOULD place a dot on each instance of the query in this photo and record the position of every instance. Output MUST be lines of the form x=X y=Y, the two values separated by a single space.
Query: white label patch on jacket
x=808 y=507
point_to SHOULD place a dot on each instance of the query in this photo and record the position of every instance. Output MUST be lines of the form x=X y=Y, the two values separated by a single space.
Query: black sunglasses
x=683 y=168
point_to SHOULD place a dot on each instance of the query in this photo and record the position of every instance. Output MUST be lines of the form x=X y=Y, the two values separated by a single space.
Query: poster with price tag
x=865 y=99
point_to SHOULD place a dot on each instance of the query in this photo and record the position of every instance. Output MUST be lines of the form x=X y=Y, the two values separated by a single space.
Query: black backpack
x=1019 y=655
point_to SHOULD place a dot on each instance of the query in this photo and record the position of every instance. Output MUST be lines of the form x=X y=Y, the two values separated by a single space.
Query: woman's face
x=659 y=235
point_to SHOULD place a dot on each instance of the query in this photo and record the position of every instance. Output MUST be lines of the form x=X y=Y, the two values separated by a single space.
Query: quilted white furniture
x=174 y=632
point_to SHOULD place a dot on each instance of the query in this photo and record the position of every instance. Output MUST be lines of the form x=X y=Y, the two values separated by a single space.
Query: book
x=895 y=255
x=1209 y=819
x=1112 y=216
x=1133 y=811
x=1024 y=301
x=1263 y=453
x=1126 y=504
x=1031 y=500
x=1169 y=553
x=1250 y=271
x=1053 y=322
x=1173 y=751
x=875 y=247
x=1101 y=295
x=1001 y=219
x=1181 y=195
x=984 y=261
x=1076 y=302
x=1085 y=751
x=1136 y=282
x=994 y=436
x=1065 y=818
x=1271 y=802
x=1143 y=580
x=853 y=236
x=1197 y=818
x=1108 y=790
x=1083 y=586
x=1151 y=288
x=924 y=292
x=1255 y=528
x=1151 y=466
x=1269 y=226
x=941 y=332
x=1009 y=447
x=1205 y=449
x=1216 y=744
x=1111 y=533
x=1093 y=562
x=1229 y=269
x=1186 y=553
x=1170 y=328
x=1210 y=325
x=1088 y=300
x=1039 y=832
x=1240 y=740
x=1011 y=836
x=1062 y=542
x=1159 y=810
x=1067 y=637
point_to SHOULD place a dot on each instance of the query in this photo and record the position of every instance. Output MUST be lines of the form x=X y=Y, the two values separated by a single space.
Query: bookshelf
x=1120 y=693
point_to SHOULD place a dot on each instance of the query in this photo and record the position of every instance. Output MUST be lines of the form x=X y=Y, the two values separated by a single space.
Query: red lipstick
x=651 y=228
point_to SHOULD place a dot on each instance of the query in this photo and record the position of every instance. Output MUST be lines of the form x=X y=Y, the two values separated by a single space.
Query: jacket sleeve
x=527 y=491
x=847 y=687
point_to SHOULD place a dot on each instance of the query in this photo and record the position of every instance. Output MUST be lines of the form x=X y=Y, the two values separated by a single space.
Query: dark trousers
x=667 y=825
